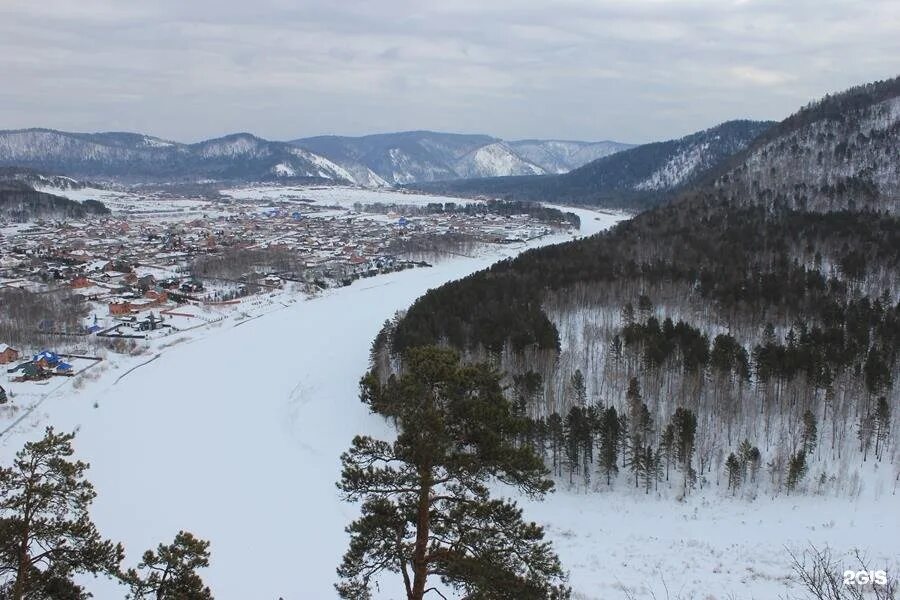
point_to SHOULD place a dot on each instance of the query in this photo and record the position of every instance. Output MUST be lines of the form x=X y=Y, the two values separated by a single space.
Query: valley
x=234 y=430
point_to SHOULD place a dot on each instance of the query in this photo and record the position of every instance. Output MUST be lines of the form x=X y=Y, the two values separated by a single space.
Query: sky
x=632 y=71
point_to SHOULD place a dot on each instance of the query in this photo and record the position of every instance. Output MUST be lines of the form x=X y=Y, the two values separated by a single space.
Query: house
x=120 y=308
x=8 y=354
x=80 y=282
x=45 y=359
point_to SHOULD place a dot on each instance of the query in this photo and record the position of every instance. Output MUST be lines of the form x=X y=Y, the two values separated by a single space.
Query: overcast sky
x=634 y=70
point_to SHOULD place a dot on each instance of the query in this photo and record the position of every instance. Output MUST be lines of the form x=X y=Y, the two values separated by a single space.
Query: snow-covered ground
x=343 y=196
x=235 y=432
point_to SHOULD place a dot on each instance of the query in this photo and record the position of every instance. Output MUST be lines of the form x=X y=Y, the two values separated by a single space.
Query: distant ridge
x=377 y=160
x=636 y=178
x=420 y=156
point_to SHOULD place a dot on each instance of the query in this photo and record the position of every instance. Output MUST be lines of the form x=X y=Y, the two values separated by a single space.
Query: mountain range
x=376 y=160
x=636 y=177
x=416 y=156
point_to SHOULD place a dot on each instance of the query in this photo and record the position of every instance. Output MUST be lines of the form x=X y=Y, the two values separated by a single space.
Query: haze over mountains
x=376 y=160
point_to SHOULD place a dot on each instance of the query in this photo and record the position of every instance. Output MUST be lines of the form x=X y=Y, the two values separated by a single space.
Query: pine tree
x=574 y=434
x=667 y=446
x=634 y=459
x=735 y=470
x=685 y=424
x=170 y=573
x=865 y=433
x=810 y=432
x=427 y=510
x=652 y=468
x=578 y=388
x=748 y=457
x=609 y=443
x=754 y=459
x=882 y=425
x=47 y=534
x=796 y=469
x=624 y=438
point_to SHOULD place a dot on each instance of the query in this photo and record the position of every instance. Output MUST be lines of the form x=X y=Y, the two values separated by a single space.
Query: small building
x=46 y=359
x=80 y=282
x=64 y=368
x=8 y=354
x=120 y=308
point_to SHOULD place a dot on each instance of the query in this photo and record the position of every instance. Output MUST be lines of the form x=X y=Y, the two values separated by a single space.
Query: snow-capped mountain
x=421 y=156
x=375 y=160
x=561 y=156
x=494 y=160
x=137 y=157
x=635 y=177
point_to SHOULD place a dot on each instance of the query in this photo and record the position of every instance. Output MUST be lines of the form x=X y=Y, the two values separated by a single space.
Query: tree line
x=748 y=316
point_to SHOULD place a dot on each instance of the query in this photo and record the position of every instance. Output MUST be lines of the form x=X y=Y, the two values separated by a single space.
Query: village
x=161 y=264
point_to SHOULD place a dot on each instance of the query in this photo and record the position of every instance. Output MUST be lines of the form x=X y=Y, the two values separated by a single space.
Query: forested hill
x=637 y=178
x=841 y=152
x=766 y=303
x=20 y=202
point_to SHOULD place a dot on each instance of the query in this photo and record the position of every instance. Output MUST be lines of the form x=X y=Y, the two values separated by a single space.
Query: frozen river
x=236 y=435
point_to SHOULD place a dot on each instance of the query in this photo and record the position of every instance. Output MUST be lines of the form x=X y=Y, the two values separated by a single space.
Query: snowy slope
x=856 y=155
x=137 y=157
x=677 y=169
x=495 y=160
x=560 y=156
x=417 y=156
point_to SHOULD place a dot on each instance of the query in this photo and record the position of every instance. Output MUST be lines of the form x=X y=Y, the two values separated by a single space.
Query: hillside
x=422 y=156
x=635 y=178
x=747 y=309
x=138 y=158
x=840 y=153
x=20 y=202
x=375 y=160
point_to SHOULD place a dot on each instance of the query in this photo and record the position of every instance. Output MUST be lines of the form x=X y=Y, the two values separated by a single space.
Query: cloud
x=633 y=70
x=756 y=75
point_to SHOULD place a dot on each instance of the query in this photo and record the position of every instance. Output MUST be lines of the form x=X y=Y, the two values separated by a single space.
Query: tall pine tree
x=170 y=573
x=46 y=533
x=427 y=511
